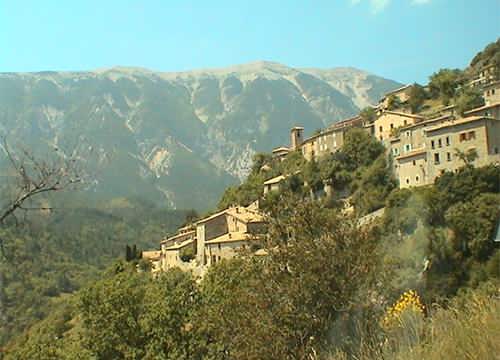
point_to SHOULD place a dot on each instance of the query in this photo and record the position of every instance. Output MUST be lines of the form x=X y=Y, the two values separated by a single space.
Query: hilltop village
x=422 y=142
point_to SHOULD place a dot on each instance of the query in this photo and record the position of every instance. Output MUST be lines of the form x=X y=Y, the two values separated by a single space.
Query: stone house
x=487 y=81
x=478 y=133
x=153 y=257
x=438 y=145
x=173 y=247
x=221 y=235
x=491 y=110
x=388 y=123
x=273 y=184
x=280 y=152
x=401 y=93
x=329 y=140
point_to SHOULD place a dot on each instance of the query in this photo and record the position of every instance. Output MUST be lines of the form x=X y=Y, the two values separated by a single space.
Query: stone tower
x=296 y=137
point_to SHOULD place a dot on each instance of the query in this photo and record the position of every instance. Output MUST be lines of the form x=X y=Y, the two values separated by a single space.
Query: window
x=395 y=151
x=407 y=180
x=414 y=163
x=380 y=128
x=218 y=245
x=471 y=135
x=405 y=122
x=492 y=91
x=407 y=147
x=496 y=150
x=439 y=143
x=392 y=126
x=381 y=138
x=448 y=156
x=408 y=134
x=436 y=158
x=432 y=144
x=447 y=141
x=214 y=259
x=417 y=179
x=463 y=137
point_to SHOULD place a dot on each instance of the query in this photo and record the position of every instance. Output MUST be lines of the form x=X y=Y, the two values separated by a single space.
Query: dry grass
x=469 y=328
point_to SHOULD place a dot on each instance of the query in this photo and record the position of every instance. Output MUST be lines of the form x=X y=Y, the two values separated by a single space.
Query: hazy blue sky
x=405 y=40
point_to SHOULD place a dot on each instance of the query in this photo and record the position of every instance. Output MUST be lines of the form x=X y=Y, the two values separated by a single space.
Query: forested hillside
x=49 y=257
x=323 y=293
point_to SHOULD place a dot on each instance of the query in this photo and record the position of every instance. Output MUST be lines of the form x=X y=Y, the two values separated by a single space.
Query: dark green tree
x=444 y=84
x=417 y=96
x=467 y=99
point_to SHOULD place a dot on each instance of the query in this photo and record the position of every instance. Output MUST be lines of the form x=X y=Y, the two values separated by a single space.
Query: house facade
x=218 y=236
x=426 y=150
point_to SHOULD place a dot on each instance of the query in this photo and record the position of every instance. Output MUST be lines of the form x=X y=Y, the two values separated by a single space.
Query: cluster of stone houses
x=421 y=147
x=209 y=240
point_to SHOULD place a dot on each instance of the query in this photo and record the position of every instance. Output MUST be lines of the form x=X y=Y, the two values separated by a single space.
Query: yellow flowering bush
x=407 y=302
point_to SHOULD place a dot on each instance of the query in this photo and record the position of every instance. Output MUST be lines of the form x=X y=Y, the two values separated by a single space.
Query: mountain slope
x=176 y=138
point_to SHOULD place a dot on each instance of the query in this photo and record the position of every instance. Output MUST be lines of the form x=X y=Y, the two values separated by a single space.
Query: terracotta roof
x=151 y=255
x=411 y=154
x=459 y=122
x=281 y=148
x=482 y=108
x=396 y=90
x=176 y=236
x=403 y=114
x=345 y=123
x=180 y=245
x=427 y=122
x=245 y=215
x=211 y=217
x=230 y=237
x=274 y=180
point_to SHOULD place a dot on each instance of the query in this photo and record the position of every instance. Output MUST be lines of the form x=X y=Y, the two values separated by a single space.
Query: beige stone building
x=478 y=133
x=424 y=151
x=487 y=80
x=329 y=140
x=491 y=93
x=273 y=184
x=491 y=110
x=211 y=239
x=173 y=248
x=154 y=258
x=401 y=93
x=280 y=152
x=388 y=123
x=222 y=234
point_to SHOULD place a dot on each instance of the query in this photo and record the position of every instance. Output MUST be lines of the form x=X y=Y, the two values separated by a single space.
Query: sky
x=403 y=40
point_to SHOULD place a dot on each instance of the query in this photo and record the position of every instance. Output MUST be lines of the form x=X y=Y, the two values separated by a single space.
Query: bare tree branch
x=34 y=176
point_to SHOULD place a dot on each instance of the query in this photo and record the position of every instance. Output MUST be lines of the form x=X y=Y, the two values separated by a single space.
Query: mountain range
x=176 y=139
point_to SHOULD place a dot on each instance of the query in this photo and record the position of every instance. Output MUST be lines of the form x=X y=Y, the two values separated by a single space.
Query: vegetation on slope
x=321 y=291
x=46 y=258
x=359 y=170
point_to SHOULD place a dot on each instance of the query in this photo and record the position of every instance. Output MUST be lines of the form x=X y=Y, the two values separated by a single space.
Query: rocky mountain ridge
x=178 y=138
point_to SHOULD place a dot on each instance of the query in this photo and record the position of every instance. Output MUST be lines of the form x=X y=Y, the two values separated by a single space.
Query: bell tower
x=296 y=137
